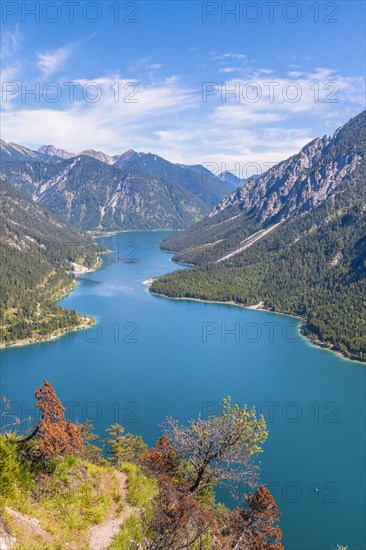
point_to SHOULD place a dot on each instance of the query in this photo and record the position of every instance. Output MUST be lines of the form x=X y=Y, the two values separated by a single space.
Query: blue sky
x=152 y=76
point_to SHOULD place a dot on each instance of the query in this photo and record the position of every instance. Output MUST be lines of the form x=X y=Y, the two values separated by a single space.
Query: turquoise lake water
x=150 y=357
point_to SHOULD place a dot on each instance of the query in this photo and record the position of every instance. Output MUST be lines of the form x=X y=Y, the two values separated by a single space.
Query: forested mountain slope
x=37 y=256
x=194 y=179
x=96 y=196
x=98 y=192
x=313 y=262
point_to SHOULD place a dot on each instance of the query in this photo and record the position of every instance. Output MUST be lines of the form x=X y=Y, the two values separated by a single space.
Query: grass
x=13 y=472
x=140 y=492
x=131 y=530
x=67 y=498
x=140 y=489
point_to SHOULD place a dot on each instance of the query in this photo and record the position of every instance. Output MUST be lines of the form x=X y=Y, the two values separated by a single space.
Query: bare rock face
x=296 y=184
x=95 y=191
x=53 y=151
x=99 y=155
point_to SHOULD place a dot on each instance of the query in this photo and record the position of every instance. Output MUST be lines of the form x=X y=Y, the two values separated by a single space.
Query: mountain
x=292 y=241
x=137 y=191
x=198 y=180
x=24 y=168
x=38 y=252
x=229 y=184
x=99 y=155
x=96 y=196
x=231 y=179
x=53 y=151
x=12 y=152
x=288 y=189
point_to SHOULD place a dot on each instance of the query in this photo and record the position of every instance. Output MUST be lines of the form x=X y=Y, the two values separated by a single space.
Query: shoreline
x=55 y=336
x=88 y=321
x=96 y=235
x=257 y=307
x=82 y=269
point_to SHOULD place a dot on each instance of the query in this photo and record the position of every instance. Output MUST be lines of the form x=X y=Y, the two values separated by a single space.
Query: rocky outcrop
x=99 y=155
x=296 y=184
x=53 y=151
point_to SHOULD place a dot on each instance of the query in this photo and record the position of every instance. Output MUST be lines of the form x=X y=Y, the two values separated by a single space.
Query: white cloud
x=113 y=123
x=52 y=61
x=10 y=66
x=230 y=69
x=9 y=43
x=295 y=74
x=144 y=64
x=227 y=56
x=170 y=118
x=265 y=71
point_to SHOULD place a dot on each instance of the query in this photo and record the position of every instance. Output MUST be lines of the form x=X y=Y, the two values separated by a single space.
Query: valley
x=293 y=239
x=90 y=295
x=183 y=275
x=148 y=357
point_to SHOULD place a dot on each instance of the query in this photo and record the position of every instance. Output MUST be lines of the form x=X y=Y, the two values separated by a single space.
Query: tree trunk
x=30 y=436
x=196 y=484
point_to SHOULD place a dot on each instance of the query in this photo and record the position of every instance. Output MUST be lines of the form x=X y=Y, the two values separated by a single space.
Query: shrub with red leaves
x=55 y=435
x=254 y=527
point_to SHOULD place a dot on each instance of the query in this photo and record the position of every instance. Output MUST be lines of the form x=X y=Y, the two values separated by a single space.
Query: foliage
x=179 y=519
x=253 y=528
x=55 y=436
x=91 y=452
x=124 y=447
x=187 y=462
x=170 y=485
x=36 y=254
x=9 y=468
x=130 y=535
x=219 y=449
x=162 y=458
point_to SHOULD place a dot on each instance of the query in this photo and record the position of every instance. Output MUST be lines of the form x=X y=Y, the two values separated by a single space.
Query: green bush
x=9 y=469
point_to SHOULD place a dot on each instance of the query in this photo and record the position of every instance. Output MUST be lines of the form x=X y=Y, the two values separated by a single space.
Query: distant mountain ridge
x=296 y=184
x=99 y=155
x=98 y=192
x=292 y=187
x=53 y=151
x=12 y=152
x=231 y=178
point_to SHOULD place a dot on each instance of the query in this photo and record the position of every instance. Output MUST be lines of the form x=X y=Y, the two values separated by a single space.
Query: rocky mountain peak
x=99 y=155
x=302 y=180
x=53 y=151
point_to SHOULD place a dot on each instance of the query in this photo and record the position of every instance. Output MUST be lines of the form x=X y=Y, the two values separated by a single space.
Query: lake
x=150 y=357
